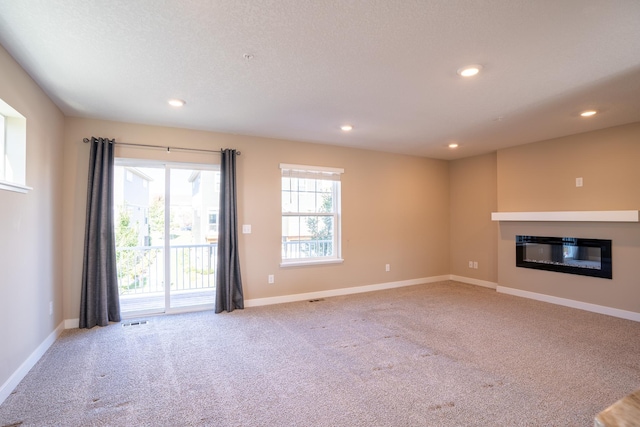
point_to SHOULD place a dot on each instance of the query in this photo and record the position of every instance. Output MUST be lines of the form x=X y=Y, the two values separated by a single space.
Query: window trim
x=307 y=168
x=304 y=262
x=318 y=173
x=12 y=186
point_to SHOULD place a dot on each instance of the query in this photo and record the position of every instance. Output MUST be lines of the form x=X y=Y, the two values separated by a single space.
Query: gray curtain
x=100 y=303
x=228 y=280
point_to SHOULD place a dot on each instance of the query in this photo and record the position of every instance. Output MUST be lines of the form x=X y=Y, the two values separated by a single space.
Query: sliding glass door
x=166 y=235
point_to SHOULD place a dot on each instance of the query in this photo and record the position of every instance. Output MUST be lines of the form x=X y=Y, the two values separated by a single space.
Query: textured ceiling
x=386 y=67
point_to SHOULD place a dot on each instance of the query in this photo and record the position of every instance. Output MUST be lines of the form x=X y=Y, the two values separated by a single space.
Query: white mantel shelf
x=568 y=216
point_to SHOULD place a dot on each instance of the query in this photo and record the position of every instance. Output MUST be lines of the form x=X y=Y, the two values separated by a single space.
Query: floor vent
x=135 y=323
x=316 y=300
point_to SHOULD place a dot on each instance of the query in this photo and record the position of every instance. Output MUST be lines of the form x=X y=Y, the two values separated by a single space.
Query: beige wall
x=541 y=177
x=473 y=235
x=395 y=209
x=30 y=235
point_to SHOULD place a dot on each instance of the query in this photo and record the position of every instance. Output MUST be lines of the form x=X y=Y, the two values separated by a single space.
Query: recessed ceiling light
x=453 y=145
x=346 y=128
x=588 y=113
x=469 y=70
x=176 y=102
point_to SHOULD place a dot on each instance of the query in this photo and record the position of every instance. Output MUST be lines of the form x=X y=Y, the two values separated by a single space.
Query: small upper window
x=13 y=149
x=310 y=214
x=3 y=120
x=213 y=222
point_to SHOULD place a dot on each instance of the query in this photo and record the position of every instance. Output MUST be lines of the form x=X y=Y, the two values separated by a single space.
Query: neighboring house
x=135 y=198
x=205 y=200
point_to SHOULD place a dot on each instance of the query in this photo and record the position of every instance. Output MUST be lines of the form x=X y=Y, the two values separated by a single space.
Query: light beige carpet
x=443 y=354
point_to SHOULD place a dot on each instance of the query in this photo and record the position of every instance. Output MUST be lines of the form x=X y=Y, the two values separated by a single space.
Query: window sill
x=303 y=263
x=11 y=186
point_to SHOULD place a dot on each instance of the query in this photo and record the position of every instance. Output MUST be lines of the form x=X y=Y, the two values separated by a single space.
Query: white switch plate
x=271 y=279
x=578 y=182
x=475 y=264
x=246 y=229
x=387 y=267
x=470 y=264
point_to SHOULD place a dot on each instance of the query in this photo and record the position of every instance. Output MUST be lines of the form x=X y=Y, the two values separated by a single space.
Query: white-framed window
x=311 y=226
x=213 y=221
x=13 y=149
x=3 y=121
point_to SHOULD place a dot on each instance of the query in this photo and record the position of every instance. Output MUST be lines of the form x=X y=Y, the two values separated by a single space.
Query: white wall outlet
x=271 y=279
x=387 y=267
x=579 y=182
x=470 y=264
x=50 y=308
x=475 y=264
x=246 y=229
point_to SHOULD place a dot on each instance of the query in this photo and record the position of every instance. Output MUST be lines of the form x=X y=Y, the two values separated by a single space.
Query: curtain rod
x=113 y=141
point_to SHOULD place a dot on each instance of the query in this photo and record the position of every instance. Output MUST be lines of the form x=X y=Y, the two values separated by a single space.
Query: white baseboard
x=471 y=281
x=343 y=291
x=26 y=366
x=601 y=309
x=256 y=302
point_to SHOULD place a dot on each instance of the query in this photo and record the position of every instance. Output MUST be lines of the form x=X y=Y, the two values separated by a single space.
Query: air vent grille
x=135 y=323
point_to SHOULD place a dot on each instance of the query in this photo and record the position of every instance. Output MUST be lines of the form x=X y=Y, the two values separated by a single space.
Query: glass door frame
x=167 y=166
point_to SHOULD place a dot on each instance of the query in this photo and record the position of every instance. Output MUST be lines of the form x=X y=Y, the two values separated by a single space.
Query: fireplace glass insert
x=587 y=257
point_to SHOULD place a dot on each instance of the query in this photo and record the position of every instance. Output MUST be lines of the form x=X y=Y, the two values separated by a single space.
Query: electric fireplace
x=587 y=257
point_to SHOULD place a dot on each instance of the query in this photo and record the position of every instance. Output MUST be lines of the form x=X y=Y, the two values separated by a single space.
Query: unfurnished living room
x=319 y=213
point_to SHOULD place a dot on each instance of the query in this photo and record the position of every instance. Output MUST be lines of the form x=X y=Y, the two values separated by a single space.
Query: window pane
x=307 y=184
x=286 y=183
x=307 y=236
x=2 y=145
x=324 y=202
x=325 y=186
x=307 y=202
x=13 y=148
x=307 y=195
x=290 y=228
x=289 y=201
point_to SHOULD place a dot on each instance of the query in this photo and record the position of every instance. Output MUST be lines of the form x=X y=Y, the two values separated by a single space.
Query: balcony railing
x=307 y=249
x=141 y=269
